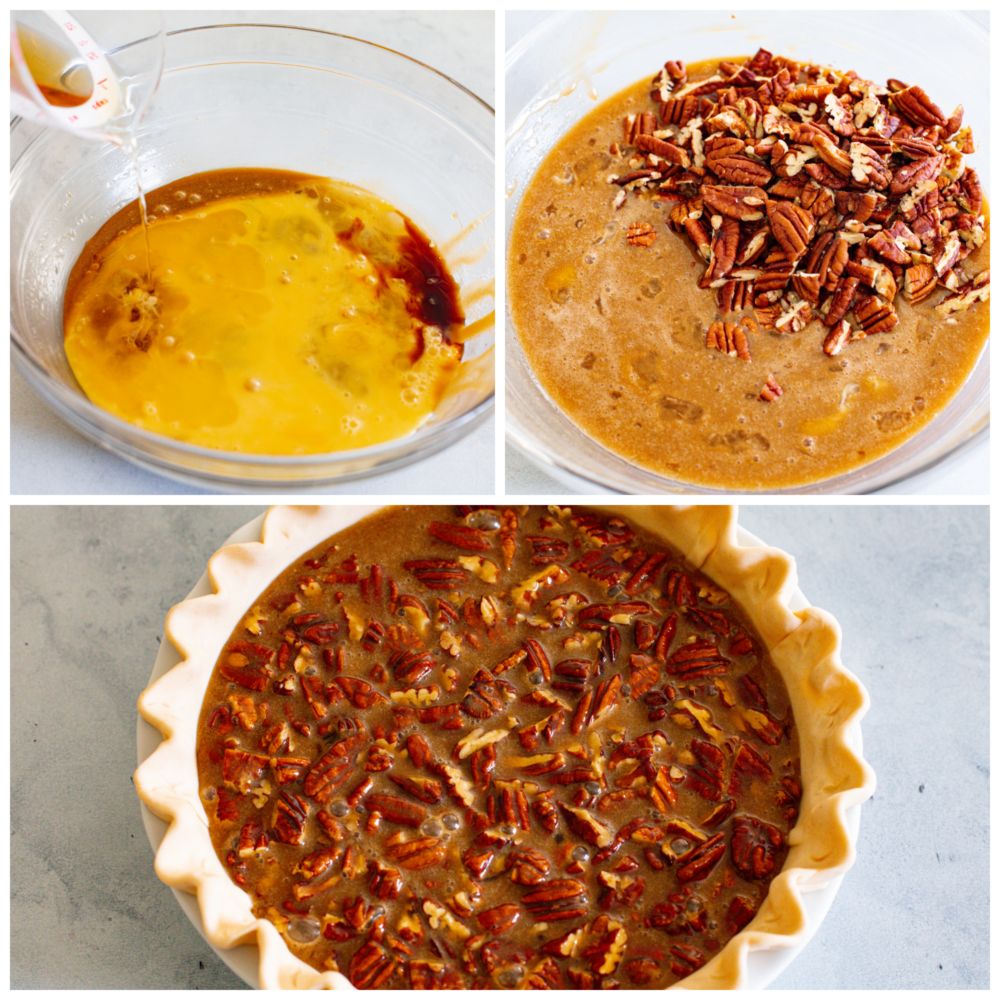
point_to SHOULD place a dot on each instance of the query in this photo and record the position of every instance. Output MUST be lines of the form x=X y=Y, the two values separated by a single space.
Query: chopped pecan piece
x=386 y=882
x=739 y=914
x=241 y=769
x=585 y=826
x=706 y=777
x=687 y=959
x=977 y=290
x=837 y=338
x=247 y=664
x=289 y=819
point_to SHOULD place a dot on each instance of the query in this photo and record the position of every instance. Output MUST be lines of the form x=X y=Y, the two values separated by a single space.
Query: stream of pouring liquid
x=130 y=148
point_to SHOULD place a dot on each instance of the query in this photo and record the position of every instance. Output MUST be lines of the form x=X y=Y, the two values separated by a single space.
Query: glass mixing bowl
x=556 y=73
x=265 y=96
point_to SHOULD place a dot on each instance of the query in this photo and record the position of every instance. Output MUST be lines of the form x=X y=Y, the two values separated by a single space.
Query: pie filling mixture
x=269 y=312
x=758 y=273
x=499 y=748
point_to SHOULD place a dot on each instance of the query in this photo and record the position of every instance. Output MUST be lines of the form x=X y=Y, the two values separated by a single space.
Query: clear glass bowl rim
x=154 y=450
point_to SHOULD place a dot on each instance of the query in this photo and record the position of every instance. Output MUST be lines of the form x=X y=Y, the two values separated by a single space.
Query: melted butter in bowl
x=281 y=314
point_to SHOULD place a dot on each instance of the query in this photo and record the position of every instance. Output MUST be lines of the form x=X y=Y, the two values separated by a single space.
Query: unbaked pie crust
x=827 y=701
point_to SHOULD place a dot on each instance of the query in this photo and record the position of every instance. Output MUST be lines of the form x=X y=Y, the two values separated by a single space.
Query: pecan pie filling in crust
x=758 y=272
x=503 y=747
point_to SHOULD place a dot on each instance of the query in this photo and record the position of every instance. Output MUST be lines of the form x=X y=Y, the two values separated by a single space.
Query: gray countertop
x=90 y=589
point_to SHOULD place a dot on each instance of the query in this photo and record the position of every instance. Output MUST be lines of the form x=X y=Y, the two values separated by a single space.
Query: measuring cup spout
x=95 y=83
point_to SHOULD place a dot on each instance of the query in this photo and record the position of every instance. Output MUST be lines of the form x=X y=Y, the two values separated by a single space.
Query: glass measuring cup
x=95 y=81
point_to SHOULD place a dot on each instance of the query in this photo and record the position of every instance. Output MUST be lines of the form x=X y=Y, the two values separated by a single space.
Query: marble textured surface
x=90 y=589
x=47 y=457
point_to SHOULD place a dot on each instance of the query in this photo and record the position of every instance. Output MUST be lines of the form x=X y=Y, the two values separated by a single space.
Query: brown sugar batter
x=496 y=748
x=616 y=334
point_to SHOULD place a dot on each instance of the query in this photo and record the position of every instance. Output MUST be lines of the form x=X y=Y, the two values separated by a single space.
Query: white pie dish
x=808 y=882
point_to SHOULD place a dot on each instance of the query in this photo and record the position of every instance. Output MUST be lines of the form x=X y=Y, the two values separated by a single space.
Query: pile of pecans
x=810 y=193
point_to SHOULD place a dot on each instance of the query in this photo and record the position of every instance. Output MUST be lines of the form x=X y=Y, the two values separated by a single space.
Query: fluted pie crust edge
x=827 y=701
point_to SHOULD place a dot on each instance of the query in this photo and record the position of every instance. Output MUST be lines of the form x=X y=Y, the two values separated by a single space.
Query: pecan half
x=755 y=847
x=913 y=174
x=425 y=852
x=665 y=150
x=558 y=899
x=919 y=281
x=461 y=536
x=747 y=204
x=700 y=658
x=437 y=574
x=641 y=234
x=792 y=226
x=696 y=864
x=868 y=169
x=396 y=810
x=837 y=159
x=723 y=249
x=527 y=866
x=914 y=105
x=371 y=966
x=729 y=338
x=874 y=315
x=726 y=160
